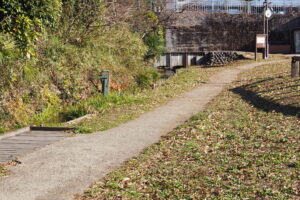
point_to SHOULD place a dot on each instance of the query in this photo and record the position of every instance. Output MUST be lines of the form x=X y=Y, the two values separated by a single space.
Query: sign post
x=261 y=43
x=268 y=12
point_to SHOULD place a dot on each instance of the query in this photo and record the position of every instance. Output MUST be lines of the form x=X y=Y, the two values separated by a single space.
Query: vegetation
x=123 y=106
x=25 y=21
x=49 y=49
x=3 y=170
x=119 y=107
x=235 y=149
x=131 y=104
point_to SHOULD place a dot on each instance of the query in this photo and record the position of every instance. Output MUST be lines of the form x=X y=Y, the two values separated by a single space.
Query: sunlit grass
x=232 y=150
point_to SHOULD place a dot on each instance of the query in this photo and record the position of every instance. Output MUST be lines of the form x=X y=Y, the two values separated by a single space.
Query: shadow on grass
x=267 y=105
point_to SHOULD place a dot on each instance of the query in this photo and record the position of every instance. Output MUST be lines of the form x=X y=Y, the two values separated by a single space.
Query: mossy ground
x=237 y=148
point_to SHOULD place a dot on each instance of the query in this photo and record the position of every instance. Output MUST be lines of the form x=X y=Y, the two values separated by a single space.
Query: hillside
x=50 y=49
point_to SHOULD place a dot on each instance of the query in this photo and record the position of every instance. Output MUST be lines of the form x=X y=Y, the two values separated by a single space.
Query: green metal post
x=105 y=82
x=104 y=78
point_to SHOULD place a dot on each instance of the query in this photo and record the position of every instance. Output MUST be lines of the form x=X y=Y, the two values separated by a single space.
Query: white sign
x=261 y=40
x=268 y=13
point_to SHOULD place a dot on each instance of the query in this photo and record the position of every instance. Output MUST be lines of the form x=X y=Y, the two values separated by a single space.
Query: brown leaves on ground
x=237 y=149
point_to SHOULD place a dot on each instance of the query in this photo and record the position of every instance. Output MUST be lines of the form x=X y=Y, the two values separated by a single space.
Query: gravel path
x=68 y=167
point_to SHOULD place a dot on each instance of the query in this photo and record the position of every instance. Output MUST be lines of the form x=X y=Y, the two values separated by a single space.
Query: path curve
x=68 y=167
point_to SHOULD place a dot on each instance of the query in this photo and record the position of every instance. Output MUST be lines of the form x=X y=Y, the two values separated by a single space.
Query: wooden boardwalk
x=21 y=144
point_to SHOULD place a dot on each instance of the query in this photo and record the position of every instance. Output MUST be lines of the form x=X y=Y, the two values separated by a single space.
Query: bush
x=25 y=20
x=154 y=36
x=2 y=130
x=8 y=48
x=149 y=27
x=147 y=78
x=9 y=56
x=81 y=20
x=155 y=43
x=70 y=48
x=73 y=113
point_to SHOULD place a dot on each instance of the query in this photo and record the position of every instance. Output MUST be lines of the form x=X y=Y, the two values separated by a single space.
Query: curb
x=74 y=121
x=44 y=128
x=33 y=128
x=14 y=133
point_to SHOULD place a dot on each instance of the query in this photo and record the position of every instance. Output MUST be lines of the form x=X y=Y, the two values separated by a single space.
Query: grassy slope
x=233 y=150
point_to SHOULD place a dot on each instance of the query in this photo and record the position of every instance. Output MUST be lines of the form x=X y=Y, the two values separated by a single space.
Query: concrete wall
x=197 y=32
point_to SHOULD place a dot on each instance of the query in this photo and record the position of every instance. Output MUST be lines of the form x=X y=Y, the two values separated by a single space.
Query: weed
x=73 y=112
x=2 y=130
x=145 y=80
x=81 y=129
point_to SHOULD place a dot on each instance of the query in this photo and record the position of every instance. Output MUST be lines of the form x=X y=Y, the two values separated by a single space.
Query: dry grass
x=235 y=149
x=3 y=170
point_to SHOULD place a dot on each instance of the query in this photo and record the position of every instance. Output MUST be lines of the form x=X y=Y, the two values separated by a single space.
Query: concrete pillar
x=185 y=60
x=168 y=60
x=295 y=72
x=295 y=69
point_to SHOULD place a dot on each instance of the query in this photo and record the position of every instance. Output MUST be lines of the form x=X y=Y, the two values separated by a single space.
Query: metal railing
x=233 y=6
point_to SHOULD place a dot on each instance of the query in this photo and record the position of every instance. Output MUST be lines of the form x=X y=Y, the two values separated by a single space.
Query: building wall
x=197 y=32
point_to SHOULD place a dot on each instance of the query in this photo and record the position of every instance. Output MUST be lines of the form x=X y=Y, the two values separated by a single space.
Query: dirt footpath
x=68 y=167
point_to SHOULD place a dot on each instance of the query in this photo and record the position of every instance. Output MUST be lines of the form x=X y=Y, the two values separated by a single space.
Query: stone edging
x=14 y=133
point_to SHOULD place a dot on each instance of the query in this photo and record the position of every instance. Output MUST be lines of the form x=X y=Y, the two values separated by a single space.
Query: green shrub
x=151 y=30
x=82 y=129
x=47 y=106
x=72 y=46
x=2 y=130
x=155 y=43
x=7 y=48
x=25 y=20
x=147 y=78
x=81 y=20
x=73 y=112
x=9 y=58
x=154 y=37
